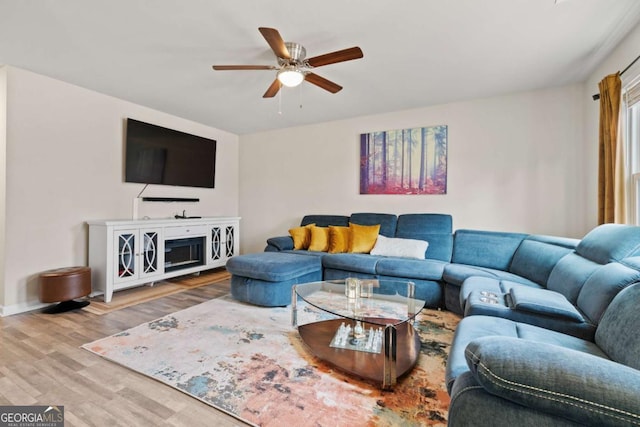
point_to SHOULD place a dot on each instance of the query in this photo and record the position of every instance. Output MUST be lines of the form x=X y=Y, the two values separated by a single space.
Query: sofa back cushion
x=603 y=285
x=537 y=255
x=632 y=262
x=387 y=221
x=570 y=274
x=610 y=242
x=325 y=220
x=433 y=228
x=617 y=334
x=489 y=249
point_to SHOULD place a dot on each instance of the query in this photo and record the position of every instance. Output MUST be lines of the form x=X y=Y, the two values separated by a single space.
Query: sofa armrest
x=578 y=386
x=544 y=302
x=281 y=243
x=472 y=406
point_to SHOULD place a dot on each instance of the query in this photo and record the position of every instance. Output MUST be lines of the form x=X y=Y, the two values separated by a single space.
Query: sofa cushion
x=570 y=274
x=268 y=293
x=610 y=242
x=403 y=248
x=429 y=291
x=387 y=221
x=632 y=262
x=543 y=302
x=273 y=266
x=325 y=220
x=433 y=228
x=304 y=252
x=617 y=333
x=534 y=307
x=589 y=390
x=498 y=287
x=485 y=248
x=474 y=327
x=279 y=243
x=470 y=403
x=360 y=263
x=428 y=269
x=602 y=286
x=457 y=273
x=535 y=258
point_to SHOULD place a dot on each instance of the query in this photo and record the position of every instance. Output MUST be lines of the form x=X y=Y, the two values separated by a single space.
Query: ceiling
x=416 y=52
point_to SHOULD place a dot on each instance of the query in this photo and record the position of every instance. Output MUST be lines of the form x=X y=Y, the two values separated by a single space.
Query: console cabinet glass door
x=230 y=236
x=223 y=245
x=126 y=246
x=151 y=253
x=137 y=255
x=215 y=251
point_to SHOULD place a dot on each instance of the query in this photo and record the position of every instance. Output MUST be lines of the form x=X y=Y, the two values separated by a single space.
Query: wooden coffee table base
x=317 y=336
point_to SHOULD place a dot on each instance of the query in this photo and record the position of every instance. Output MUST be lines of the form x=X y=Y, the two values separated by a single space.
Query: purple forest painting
x=404 y=161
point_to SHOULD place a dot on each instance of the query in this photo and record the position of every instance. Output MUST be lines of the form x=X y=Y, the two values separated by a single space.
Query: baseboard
x=9 y=310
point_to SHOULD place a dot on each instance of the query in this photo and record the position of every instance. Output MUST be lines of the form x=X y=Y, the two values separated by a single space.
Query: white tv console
x=128 y=253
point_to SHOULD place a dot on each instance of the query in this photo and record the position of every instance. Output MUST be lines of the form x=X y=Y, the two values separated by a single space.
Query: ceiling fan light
x=290 y=76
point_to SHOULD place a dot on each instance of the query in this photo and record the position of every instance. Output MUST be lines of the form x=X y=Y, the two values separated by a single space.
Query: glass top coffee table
x=369 y=327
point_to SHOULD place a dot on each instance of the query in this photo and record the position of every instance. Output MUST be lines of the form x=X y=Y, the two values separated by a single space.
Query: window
x=631 y=124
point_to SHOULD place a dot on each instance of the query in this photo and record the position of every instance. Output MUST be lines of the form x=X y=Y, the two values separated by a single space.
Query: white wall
x=64 y=167
x=3 y=164
x=622 y=55
x=515 y=163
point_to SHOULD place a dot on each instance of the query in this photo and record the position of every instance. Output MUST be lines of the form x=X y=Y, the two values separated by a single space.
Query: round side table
x=63 y=285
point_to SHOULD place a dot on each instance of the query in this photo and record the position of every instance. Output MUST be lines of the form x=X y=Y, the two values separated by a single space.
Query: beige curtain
x=611 y=194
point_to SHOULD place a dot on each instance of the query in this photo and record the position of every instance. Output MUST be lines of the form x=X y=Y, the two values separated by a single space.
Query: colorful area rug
x=250 y=362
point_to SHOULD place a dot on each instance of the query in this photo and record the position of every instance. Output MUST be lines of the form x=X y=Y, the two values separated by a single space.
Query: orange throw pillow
x=301 y=236
x=338 y=239
x=363 y=237
x=319 y=239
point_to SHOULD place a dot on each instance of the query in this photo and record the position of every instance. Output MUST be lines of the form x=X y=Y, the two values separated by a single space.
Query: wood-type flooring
x=41 y=363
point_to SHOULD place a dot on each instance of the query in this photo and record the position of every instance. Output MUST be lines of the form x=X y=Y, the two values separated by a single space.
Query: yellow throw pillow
x=319 y=239
x=363 y=237
x=338 y=239
x=301 y=236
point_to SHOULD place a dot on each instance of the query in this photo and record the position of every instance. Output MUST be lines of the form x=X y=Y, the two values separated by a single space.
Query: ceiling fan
x=293 y=66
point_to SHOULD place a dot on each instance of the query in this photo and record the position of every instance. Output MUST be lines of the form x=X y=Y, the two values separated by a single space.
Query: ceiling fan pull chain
x=300 y=96
x=280 y=102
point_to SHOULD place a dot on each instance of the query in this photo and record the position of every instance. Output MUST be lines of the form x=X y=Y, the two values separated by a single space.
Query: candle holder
x=352 y=289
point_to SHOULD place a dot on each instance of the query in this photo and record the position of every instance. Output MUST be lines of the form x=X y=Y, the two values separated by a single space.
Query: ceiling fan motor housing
x=296 y=51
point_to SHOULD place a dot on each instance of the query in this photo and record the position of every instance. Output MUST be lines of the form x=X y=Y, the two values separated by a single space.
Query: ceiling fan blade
x=337 y=56
x=272 y=36
x=322 y=82
x=243 y=67
x=273 y=89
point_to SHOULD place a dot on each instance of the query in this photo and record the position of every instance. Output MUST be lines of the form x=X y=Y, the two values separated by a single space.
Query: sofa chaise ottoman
x=266 y=278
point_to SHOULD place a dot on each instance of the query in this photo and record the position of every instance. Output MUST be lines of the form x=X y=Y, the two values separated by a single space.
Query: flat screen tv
x=157 y=155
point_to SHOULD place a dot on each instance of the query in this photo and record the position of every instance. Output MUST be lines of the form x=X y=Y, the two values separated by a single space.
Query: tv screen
x=157 y=155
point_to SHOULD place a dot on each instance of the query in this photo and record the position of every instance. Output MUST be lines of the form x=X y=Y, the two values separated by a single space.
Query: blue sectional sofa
x=505 y=373
x=512 y=257
x=425 y=273
x=550 y=328
x=493 y=262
